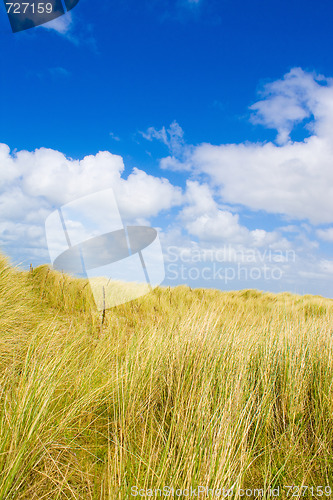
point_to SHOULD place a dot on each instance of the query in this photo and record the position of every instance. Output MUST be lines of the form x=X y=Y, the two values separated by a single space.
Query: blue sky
x=230 y=102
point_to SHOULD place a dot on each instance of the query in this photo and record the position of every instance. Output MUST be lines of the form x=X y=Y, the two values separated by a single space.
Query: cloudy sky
x=212 y=121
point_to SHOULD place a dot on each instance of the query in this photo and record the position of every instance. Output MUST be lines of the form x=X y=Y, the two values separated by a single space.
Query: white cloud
x=173 y=137
x=65 y=26
x=175 y=164
x=143 y=195
x=53 y=176
x=287 y=102
x=294 y=179
x=35 y=183
x=325 y=234
x=61 y=24
x=203 y=218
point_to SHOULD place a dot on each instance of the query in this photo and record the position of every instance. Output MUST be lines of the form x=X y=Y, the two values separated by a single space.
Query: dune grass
x=181 y=388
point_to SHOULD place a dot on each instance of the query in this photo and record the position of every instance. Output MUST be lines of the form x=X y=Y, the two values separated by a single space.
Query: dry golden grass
x=180 y=388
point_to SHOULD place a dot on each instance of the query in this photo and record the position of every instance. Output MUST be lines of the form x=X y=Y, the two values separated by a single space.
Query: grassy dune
x=179 y=388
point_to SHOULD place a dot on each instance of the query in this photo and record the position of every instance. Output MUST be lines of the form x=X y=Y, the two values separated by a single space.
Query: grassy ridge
x=180 y=388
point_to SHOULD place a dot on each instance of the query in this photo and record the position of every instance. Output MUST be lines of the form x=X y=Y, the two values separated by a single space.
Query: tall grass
x=180 y=388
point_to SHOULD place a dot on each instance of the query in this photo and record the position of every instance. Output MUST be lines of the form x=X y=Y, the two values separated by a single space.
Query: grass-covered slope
x=180 y=388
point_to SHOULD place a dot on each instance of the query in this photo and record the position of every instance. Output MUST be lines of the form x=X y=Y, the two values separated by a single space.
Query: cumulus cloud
x=287 y=178
x=287 y=102
x=143 y=195
x=35 y=183
x=294 y=179
x=49 y=175
x=202 y=217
